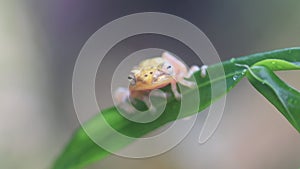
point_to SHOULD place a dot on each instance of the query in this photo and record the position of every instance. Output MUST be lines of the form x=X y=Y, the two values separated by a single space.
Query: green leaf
x=81 y=150
x=285 y=98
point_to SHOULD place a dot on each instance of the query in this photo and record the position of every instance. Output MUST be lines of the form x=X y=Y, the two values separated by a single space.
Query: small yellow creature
x=153 y=74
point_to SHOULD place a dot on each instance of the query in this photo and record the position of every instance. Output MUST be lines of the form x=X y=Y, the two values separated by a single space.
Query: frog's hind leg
x=196 y=68
x=193 y=69
x=182 y=71
x=181 y=78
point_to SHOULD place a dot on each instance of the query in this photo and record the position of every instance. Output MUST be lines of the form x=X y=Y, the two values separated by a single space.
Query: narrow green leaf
x=81 y=150
x=285 y=98
x=278 y=64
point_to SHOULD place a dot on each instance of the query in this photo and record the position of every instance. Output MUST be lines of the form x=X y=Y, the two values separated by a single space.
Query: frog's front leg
x=146 y=100
x=122 y=99
x=175 y=91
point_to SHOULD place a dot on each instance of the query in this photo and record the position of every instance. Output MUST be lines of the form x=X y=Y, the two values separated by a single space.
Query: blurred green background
x=41 y=39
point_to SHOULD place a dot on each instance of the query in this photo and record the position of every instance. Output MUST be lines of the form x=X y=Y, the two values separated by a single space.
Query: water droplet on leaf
x=244 y=71
x=232 y=60
x=235 y=77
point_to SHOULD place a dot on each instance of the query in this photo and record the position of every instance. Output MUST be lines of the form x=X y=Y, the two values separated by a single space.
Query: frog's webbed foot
x=203 y=70
x=196 y=68
x=121 y=97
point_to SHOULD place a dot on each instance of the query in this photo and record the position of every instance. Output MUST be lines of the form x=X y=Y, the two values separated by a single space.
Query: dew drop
x=244 y=71
x=235 y=77
x=232 y=60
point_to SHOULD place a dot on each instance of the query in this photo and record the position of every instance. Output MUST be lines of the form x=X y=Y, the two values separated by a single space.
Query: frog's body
x=153 y=74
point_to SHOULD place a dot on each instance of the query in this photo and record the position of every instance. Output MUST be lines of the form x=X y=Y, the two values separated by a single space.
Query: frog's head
x=150 y=77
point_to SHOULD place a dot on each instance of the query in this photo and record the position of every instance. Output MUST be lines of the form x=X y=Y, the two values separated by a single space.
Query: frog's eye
x=167 y=68
x=131 y=79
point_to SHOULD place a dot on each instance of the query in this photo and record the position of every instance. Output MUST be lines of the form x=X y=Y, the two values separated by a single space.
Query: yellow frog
x=153 y=74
